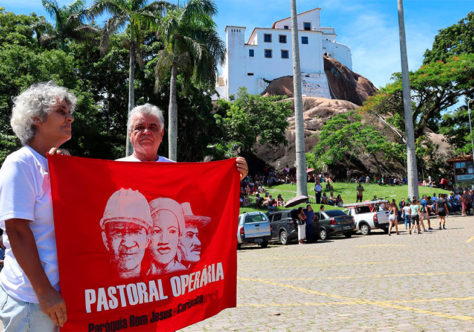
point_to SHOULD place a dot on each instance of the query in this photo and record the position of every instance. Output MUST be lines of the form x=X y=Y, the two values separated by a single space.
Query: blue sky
x=368 y=27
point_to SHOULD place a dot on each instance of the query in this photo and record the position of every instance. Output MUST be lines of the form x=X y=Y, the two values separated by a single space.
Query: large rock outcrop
x=316 y=111
x=343 y=84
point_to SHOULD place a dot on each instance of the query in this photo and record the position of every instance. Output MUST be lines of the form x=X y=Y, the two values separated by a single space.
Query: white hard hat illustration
x=164 y=203
x=127 y=205
x=190 y=218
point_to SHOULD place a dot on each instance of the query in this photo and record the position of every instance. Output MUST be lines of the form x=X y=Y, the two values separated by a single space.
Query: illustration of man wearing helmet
x=190 y=245
x=126 y=228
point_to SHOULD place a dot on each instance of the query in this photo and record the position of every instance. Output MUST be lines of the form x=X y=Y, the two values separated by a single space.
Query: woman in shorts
x=393 y=217
x=442 y=210
x=415 y=218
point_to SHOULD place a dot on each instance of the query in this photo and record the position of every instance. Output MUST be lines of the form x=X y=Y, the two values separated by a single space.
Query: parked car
x=284 y=228
x=334 y=222
x=368 y=217
x=254 y=227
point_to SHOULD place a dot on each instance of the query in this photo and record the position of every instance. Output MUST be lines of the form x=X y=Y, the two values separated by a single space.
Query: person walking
x=424 y=212
x=407 y=217
x=393 y=217
x=360 y=191
x=317 y=192
x=415 y=218
x=301 y=221
x=442 y=210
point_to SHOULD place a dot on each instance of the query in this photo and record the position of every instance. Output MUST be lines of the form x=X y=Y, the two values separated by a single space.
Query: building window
x=304 y=40
x=268 y=53
x=286 y=27
x=251 y=53
x=461 y=165
x=307 y=26
x=284 y=54
x=267 y=37
x=249 y=74
x=282 y=39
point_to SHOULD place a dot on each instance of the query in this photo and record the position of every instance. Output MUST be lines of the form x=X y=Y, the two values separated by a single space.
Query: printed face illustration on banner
x=168 y=225
x=126 y=226
x=190 y=244
x=161 y=244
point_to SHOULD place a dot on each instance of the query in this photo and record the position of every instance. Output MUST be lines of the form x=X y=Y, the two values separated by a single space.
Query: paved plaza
x=366 y=283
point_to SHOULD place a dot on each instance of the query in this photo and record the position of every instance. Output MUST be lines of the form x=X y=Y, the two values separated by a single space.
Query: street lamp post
x=470 y=129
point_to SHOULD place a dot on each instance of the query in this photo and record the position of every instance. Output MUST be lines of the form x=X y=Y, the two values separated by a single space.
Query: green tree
x=456 y=39
x=249 y=120
x=136 y=16
x=455 y=126
x=435 y=87
x=69 y=22
x=193 y=48
x=345 y=136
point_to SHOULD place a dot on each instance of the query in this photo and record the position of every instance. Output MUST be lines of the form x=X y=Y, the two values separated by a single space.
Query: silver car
x=254 y=227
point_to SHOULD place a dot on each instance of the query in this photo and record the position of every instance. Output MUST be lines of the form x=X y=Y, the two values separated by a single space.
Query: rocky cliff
x=349 y=91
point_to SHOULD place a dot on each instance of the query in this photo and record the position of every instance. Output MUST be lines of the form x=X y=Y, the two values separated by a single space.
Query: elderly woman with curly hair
x=29 y=292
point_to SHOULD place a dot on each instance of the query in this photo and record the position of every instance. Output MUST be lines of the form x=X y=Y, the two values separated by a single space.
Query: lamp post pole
x=412 y=172
x=470 y=129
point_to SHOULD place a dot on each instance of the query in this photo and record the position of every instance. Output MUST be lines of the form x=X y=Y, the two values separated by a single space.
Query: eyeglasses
x=151 y=127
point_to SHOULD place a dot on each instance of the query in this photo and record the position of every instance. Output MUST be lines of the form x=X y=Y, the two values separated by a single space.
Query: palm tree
x=135 y=15
x=193 y=48
x=301 y=184
x=69 y=22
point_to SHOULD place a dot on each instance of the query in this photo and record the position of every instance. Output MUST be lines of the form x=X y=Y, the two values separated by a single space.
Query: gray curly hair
x=35 y=103
x=145 y=109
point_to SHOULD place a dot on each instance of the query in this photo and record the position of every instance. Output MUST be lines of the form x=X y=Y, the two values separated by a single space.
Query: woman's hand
x=242 y=167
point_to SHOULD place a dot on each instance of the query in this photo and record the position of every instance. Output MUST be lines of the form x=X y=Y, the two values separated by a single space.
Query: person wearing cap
x=145 y=128
x=168 y=226
x=190 y=245
x=126 y=230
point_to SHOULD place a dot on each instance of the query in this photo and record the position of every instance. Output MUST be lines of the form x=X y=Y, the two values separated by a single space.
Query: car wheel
x=364 y=229
x=323 y=235
x=284 y=238
x=348 y=234
x=264 y=244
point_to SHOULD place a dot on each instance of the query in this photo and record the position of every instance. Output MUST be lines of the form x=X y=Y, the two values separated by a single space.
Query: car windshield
x=335 y=213
x=255 y=218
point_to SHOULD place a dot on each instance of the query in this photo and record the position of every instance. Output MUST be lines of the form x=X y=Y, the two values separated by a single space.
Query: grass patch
x=347 y=192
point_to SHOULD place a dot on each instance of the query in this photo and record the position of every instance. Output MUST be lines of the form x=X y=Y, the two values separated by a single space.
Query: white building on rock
x=267 y=55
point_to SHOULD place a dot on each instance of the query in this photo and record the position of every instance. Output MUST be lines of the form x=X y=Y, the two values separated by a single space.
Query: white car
x=367 y=215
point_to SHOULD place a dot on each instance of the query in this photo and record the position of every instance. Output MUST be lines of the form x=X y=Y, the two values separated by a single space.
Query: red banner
x=144 y=246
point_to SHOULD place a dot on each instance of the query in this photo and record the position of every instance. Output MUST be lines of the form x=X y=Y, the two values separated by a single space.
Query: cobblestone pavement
x=366 y=283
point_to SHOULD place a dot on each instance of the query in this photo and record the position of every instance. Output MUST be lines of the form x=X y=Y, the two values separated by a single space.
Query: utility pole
x=301 y=184
x=412 y=172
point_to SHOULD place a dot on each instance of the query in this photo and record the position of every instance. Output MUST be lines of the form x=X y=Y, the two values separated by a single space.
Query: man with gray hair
x=146 y=129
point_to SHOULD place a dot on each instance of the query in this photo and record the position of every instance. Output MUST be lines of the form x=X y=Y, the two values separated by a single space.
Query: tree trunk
x=412 y=172
x=301 y=184
x=173 y=117
x=131 y=94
